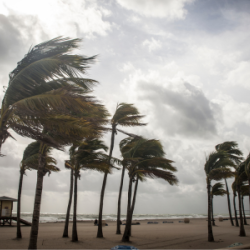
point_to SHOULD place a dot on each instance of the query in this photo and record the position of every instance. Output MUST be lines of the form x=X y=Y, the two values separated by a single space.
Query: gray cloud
x=186 y=112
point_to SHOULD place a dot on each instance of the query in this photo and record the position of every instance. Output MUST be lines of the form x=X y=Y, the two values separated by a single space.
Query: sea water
x=60 y=217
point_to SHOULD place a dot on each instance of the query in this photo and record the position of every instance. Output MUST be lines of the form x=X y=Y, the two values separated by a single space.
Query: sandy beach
x=144 y=236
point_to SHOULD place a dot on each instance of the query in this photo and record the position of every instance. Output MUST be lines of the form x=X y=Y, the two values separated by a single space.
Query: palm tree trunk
x=135 y=193
x=212 y=211
x=209 y=225
x=37 y=204
x=99 y=230
x=118 y=225
x=249 y=191
x=235 y=213
x=125 y=237
x=228 y=204
x=18 y=232
x=66 y=226
x=242 y=229
x=74 y=228
x=133 y=204
x=243 y=210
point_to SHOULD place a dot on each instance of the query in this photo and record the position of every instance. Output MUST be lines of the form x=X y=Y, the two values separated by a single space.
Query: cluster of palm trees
x=227 y=162
x=49 y=100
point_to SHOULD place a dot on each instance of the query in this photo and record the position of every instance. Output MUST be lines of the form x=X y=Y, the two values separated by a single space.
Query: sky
x=184 y=64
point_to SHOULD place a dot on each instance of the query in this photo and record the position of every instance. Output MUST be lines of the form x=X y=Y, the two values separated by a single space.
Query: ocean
x=60 y=217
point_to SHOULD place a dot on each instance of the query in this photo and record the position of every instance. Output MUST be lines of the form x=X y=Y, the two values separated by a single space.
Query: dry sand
x=144 y=236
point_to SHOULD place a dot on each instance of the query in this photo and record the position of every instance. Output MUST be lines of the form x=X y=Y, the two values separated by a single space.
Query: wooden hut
x=6 y=207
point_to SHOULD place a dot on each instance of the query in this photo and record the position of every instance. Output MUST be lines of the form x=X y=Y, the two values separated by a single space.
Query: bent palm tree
x=240 y=178
x=215 y=169
x=88 y=155
x=247 y=170
x=217 y=190
x=125 y=115
x=244 y=192
x=231 y=147
x=30 y=161
x=65 y=110
x=66 y=225
x=143 y=158
x=235 y=211
x=46 y=78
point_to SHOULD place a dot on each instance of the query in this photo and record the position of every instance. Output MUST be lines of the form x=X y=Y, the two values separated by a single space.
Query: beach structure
x=6 y=207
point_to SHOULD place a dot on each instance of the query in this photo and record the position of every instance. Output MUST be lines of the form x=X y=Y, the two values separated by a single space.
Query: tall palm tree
x=217 y=190
x=30 y=161
x=234 y=196
x=231 y=147
x=240 y=178
x=244 y=192
x=144 y=158
x=125 y=115
x=88 y=155
x=60 y=116
x=66 y=225
x=48 y=77
x=247 y=170
x=215 y=169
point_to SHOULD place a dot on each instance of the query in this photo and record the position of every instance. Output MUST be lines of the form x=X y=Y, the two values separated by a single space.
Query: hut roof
x=5 y=198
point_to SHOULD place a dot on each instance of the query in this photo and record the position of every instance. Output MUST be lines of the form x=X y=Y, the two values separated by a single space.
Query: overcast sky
x=184 y=64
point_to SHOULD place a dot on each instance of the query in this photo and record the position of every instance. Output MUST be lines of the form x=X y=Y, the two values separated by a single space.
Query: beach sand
x=144 y=236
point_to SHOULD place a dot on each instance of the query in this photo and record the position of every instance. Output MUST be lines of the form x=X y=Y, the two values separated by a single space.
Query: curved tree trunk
x=243 y=210
x=228 y=204
x=242 y=229
x=37 y=204
x=133 y=204
x=99 y=230
x=18 y=231
x=212 y=211
x=66 y=226
x=235 y=213
x=74 y=228
x=209 y=225
x=118 y=225
x=125 y=237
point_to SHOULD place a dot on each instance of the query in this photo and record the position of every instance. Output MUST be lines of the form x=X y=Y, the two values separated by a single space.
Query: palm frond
x=157 y=173
x=127 y=115
x=218 y=190
x=220 y=173
x=46 y=61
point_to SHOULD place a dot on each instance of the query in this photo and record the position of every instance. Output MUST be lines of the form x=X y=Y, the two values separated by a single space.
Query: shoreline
x=174 y=235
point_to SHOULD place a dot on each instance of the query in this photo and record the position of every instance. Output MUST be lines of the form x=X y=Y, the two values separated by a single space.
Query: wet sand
x=144 y=236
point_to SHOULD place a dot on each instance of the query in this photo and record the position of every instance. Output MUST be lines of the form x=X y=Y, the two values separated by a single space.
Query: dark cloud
x=186 y=112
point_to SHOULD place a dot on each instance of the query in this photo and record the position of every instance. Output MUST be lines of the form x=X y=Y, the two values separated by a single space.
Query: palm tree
x=88 y=155
x=47 y=78
x=234 y=196
x=143 y=158
x=217 y=190
x=244 y=192
x=30 y=161
x=215 y=169
x=231 y=147
x=240 y=178
x=65 y=111
x=247 y=170
x=66 y=225
x=125 y=115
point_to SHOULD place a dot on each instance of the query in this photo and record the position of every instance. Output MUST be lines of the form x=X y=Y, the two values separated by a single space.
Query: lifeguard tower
x=6 y=207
